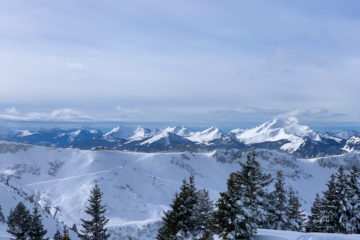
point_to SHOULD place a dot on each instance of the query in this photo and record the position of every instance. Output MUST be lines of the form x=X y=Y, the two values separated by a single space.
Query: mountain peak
x=279 y=129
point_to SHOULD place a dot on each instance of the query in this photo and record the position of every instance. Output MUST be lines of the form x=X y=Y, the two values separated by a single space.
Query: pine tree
x=330 y=214
x=66 y=234
x=19 y=222
x=315 y=219
x=189 y=216
x=277 y=217
x=94 y=229
x=37 y=231
x=203 y=212
x=295 y=215
x=169 y=228
x=74 y=228
x=343 y=202
x=354 y=200
x=57 y=235
x=2 y=217
x=241 y=208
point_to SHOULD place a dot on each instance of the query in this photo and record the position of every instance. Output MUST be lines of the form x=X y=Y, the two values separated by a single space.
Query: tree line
x=23 y=225
x=247 y=205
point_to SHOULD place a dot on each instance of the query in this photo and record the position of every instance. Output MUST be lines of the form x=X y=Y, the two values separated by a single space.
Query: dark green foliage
x=203 y=213
x=339 y=209
x=314 y=224
x=19 y=222
x=57 y=235
x=277 y=210
x=37 y=231
x=65 y=234
x=189 y=216
x=354 y=200
x=295 y=215
x=94 y=229
x=2 y=217
x=74 y=228
x=241 y=208
x=170 y=228
x=329 y=220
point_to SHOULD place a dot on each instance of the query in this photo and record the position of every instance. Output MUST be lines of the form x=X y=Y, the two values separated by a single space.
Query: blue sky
x=190 y=62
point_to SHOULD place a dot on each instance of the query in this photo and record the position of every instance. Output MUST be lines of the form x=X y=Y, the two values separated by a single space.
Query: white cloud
x=11 y=110
x=129 y=111
x=63 y=114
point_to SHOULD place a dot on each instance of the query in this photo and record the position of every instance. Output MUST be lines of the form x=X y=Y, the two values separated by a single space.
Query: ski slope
x=138 y=187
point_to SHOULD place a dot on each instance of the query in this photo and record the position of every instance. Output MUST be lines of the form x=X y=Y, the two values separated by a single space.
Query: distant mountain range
x=286 y=135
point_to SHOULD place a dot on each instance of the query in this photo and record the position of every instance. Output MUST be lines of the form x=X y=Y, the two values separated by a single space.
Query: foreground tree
x=354 y=200
x=2 y=217
x=57 y=235
x=203 y=212
x=277 y=217
x=37 y=231
x=66 y=234
x=295 y=215
x=242 y=207
x=19 y=222
x=189 y=216
x=94 y=229
x=315 y=219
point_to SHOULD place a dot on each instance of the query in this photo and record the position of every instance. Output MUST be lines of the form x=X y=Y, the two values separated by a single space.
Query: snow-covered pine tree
x=189 y=216
x=343 y=202
x=74 y=228
x=37 y=231
x=94 y=229
x=65 y=234
x=224 y=217
x=277 y=217
x=19 y=222
x=330 y=214
x=57 y=235
x=354 y=200
x=2 y=217
x=241 y=207
x=203 y=212
x=315 y=223
x=295 y=214
x=169 y=228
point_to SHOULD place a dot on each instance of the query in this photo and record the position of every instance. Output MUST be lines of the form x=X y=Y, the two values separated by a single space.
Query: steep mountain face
x=138 y=187
x=352 y=145
x=290 y=136
x=286 y=135
x=279 y=129
x=119 y=133
x=347 y=134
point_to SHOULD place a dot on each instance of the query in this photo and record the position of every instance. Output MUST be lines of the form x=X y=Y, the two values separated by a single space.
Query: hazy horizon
x=180 y=62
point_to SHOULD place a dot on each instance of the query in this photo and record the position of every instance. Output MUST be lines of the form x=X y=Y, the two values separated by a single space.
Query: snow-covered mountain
x=119 y=133
x=352 y=145
x=347 y=134
x=138 y=187
x=286 y=135
x=207 y=136
x=279 y=129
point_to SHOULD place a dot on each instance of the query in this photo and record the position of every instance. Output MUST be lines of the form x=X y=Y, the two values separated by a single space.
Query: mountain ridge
x=286 y=135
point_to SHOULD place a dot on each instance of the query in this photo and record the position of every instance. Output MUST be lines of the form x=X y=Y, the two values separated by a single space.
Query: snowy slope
x=138 y=187
x=287 y=235
x=10 y=196
x=347 y=134
x=119 y=133
x=207 y=136
x=352 y=145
